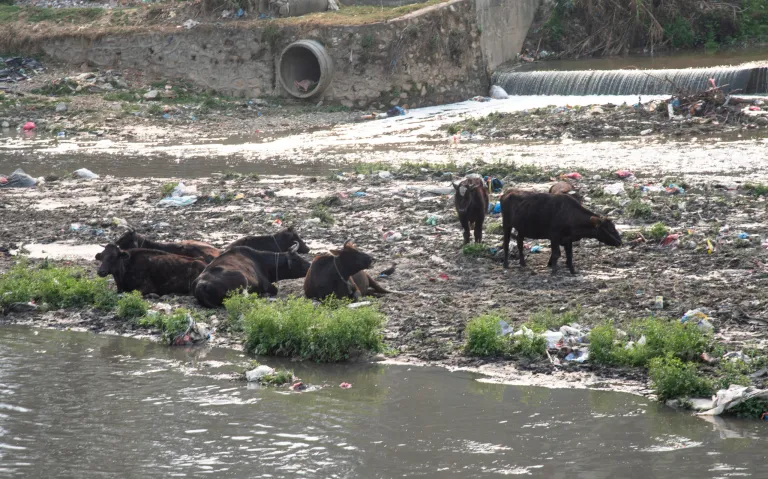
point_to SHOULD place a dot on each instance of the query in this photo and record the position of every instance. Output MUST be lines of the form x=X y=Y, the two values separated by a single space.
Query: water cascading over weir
x=741 y=79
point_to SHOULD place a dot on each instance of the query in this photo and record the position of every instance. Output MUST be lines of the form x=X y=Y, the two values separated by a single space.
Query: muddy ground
x=441 y=288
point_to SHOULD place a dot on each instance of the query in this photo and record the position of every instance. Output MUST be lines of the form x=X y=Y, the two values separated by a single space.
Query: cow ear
x=99 y=256
x=335 y=252
x=294 y=248
x=455 y=186
x=595 y=221
x=290 y=229
x=125 y=255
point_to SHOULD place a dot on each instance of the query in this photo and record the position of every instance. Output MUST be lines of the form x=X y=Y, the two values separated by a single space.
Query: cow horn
x=347 y=242
x=294 y=248
x=455 y=186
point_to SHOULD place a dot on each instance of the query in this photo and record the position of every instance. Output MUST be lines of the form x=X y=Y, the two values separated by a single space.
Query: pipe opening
x=305 y=69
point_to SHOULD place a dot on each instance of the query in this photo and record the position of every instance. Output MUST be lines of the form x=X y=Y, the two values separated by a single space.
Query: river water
x=80 y=405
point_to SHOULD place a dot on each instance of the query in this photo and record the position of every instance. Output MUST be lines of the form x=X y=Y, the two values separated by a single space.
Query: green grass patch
x=69 y=15
x=472 y=125
x=657 y=231
x=494 y=228
x=638 y=209
x=295 y=327
x=546 y=320
x=278 y=378
x=684 y=341
x=321 y=212
x=484 y=339
x=672 y=378
x=364 y=168
x=170 y=325
x=475 y=249
x=132 y=306
x=757 y=189
x=59 y=287
x=167 y=189
x=123 y=96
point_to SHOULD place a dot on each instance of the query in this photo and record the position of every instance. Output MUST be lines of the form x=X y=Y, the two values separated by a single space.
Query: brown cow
x=564 y=188
x=242 y=267
x=193 y=249
x=558 y=218
x=279 y=242
x=149 y=271
x=341 y=273
x=471 y=202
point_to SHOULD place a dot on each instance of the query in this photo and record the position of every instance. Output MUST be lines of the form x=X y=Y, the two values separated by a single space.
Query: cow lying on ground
x=471 y=202
x=278 y=242
x=193 y=249
x=564 y=188
x=149 y=271
x=241 y=267
x=558 y=218
x=341 y=273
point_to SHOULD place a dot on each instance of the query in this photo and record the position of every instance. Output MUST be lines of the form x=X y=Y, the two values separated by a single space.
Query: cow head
x=464 y=188
x=111 y=260
x=297 y=265
x=129 y=240
x=291 y=237
x=606 y=231
x=354 y=259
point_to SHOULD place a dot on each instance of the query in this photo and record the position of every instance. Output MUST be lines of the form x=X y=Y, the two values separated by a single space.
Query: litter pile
x=569 y=343
x=16 y=69
x=91 y=82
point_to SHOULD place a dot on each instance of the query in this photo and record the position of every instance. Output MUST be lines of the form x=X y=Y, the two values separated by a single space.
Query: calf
x=278 y=242
x=193 y=249
x=340 y=273
x=241 y=267
x=149 y=271
x=471 y=204
x=558 y=218
x=564 y=188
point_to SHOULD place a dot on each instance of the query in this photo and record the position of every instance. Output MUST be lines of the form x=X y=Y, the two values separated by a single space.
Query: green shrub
x=167 y=189
x=132 y=306
x=672 y=379
x=545 y=319
x=750 y=409
x=494 y=228
x=278 y=378
x=732 y=372
x=295 y=327
x=684 y=341
x=484 y=339
x=322 y=213
x=657 y=232
x=757 y=189
x=59 y=287
x=170 y=325
x=638 y=209
x=484 y=336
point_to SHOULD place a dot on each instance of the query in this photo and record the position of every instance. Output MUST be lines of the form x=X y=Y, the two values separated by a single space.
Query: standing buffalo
x=471 y=204
x=558 y=218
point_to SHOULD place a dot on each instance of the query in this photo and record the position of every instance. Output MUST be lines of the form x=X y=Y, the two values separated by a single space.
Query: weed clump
x=132 y=306
x=321 y=212
x=657 y=232
x=170 y=325
x=167 y=189
x=672 y=378
x=474 y=249
x=484 y=339
x=638 y=209
x=295 y=327
x=58 y=287
x=757 y=189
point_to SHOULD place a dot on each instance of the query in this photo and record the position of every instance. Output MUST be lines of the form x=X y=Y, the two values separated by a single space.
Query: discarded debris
x=18 y=179
x=727 y=398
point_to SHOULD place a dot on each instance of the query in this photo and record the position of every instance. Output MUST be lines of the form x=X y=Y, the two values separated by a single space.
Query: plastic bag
x=85 y=174
x=18 y=179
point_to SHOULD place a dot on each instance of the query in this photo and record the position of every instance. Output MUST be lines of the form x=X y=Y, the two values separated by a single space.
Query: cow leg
x=555 y=254
x=553 y=246
x=569 y=256
x=479 y=231
x=507 y=237
x=465 y=226
x=271 y=290
x=520 y=249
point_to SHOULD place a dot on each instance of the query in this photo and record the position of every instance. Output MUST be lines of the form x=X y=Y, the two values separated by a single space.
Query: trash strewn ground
x=710 y=268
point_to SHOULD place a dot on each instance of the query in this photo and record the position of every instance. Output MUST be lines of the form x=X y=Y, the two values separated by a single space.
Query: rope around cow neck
x=347 y=281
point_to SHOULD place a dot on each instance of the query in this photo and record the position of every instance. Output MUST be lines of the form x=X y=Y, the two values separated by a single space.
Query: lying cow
x=564 y=188
x=471 y=202
x=558 y=218
x=279 y=242
x=241 y=267
x=149 y=271
x=341 y=273
x=193 y=249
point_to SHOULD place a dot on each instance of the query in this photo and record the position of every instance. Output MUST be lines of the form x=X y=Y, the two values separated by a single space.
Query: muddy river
x=81 y=405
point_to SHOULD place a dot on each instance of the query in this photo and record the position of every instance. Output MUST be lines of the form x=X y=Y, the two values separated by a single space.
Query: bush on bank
x=296 y=327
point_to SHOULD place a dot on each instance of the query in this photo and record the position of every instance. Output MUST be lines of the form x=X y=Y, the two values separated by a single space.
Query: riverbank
x=443 y=288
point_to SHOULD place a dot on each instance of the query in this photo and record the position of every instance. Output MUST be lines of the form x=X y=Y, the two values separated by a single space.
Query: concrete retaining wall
x=439 y=54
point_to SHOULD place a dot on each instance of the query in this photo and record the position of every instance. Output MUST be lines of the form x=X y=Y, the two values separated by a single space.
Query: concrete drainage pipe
x=306 y=69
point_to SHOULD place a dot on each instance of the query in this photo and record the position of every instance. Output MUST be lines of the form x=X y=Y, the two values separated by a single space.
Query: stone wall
x=442 y=53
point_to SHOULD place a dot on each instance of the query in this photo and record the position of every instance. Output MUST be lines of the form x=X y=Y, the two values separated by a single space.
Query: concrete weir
x=437 y=54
